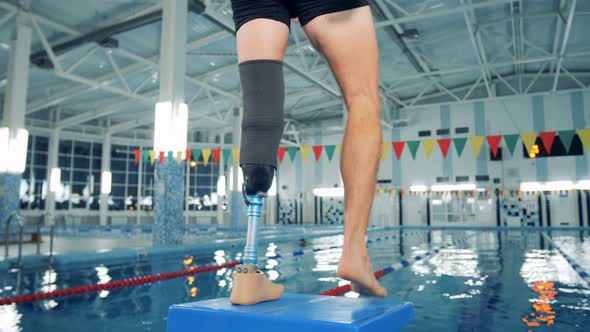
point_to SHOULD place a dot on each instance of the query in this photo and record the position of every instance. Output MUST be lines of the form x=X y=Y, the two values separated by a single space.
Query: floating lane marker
x=115 y=284
x=403 y=263
x=579 y=270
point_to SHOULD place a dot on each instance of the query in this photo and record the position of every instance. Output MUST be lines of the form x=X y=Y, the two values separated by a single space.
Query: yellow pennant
x=304 y=152
x=529 y=140
x=584 y=135
x=206 y=153
x=476 y=143
x=152 y=157
x=385 y=150
x=428 y=146
x=235 y=152
x=339 y=148
x=179 y=157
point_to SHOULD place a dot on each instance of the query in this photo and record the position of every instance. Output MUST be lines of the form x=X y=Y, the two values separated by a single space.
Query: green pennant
x=567 y=137
x=292 y=151
x=413 y=145
x=459 y=145
x=226 y=154
x=330 y=151
x=196 y=154
x=511 y=141
x=170 y=156
x=146 y=156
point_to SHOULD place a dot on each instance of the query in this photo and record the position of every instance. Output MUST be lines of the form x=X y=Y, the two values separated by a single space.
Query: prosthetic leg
x=262 y=127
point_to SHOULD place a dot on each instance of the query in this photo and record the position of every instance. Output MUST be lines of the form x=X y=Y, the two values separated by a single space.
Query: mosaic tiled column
x=169 y=203
x=9 y=196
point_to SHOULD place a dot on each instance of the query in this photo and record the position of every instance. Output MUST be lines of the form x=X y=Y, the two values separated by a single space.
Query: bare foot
x=355 y=266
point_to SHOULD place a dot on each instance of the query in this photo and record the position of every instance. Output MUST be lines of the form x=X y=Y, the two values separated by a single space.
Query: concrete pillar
x=169 y=175
x=15 y=103
x=237 y=200
x=105 y=167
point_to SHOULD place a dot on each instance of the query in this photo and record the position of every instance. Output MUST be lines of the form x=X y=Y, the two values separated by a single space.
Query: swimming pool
x=507 y=280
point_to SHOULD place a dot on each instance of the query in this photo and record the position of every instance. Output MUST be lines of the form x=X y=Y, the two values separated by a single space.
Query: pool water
x=488 y=281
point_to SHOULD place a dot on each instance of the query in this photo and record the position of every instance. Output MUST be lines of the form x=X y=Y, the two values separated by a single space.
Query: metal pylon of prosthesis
x=254 y=212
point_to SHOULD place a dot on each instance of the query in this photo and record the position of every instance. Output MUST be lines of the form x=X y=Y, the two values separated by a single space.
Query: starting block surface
x=292 y=313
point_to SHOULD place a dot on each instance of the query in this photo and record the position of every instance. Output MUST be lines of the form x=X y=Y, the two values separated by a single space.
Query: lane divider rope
x=115 y=284
x=396 y=267
x=192 y=271
x=579 y=270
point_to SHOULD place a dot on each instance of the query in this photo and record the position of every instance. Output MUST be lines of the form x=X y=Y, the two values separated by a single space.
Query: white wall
x=509 y=116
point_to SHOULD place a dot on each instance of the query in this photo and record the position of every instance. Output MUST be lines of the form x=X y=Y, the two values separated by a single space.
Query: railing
x=21 y=226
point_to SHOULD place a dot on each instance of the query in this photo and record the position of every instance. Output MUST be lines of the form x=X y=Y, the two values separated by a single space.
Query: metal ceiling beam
x=440 y=13
x=475 y=38
x=465 y=69
x=565 y=40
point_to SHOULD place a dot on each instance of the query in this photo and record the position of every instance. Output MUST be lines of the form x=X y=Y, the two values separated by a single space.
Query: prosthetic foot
x=252 y=287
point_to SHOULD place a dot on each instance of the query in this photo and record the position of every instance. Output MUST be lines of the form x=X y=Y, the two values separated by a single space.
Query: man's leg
x=261 y=46
x=349 y=43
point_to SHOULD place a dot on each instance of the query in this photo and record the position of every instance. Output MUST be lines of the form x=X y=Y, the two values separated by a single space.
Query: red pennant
x=282 y=151
x=494 y=143
x=317 y=151
x=444 y=145
x=161 y=159
x=548 y=138
x=189 y=154
x=137 y=154
x=398 y=147
x=216 y=154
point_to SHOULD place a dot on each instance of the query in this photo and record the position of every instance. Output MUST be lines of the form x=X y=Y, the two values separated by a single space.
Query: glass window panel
x=81 y=163
x=65 y=147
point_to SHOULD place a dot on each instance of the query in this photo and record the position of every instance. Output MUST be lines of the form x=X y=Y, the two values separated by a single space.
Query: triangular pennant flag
x=305 y=152
x=494 y=143
x=567 y=137
x=152 y=157
x=548 y=138
x=398 y=147
x=428 y=147
x=511 y=141
x=179 y=157
x=459 y=145
x=235 y=155
x=206 y=155
x=282 y=151
x=216 y=156
x=292 y=152
x=162 y=156
x=584 y=135
x=413 y=146
x=444 y=144
x=137 y=155
x=197 y=154
x=170 y=156
x=330 y=151
x=384 y=150
x=189 y=154
x=226 y=154
x=146 y=156
x=529 y=140
x=476 y=143
x=317 y=151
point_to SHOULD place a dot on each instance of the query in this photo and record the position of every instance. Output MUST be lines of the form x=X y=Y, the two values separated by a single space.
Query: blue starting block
x=292 y=313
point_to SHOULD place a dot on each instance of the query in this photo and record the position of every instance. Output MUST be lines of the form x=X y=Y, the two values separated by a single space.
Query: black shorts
x=283 y=10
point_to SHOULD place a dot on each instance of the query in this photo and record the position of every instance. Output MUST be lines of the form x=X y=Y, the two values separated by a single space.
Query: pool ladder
x=21 y=225
x=48 y=218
